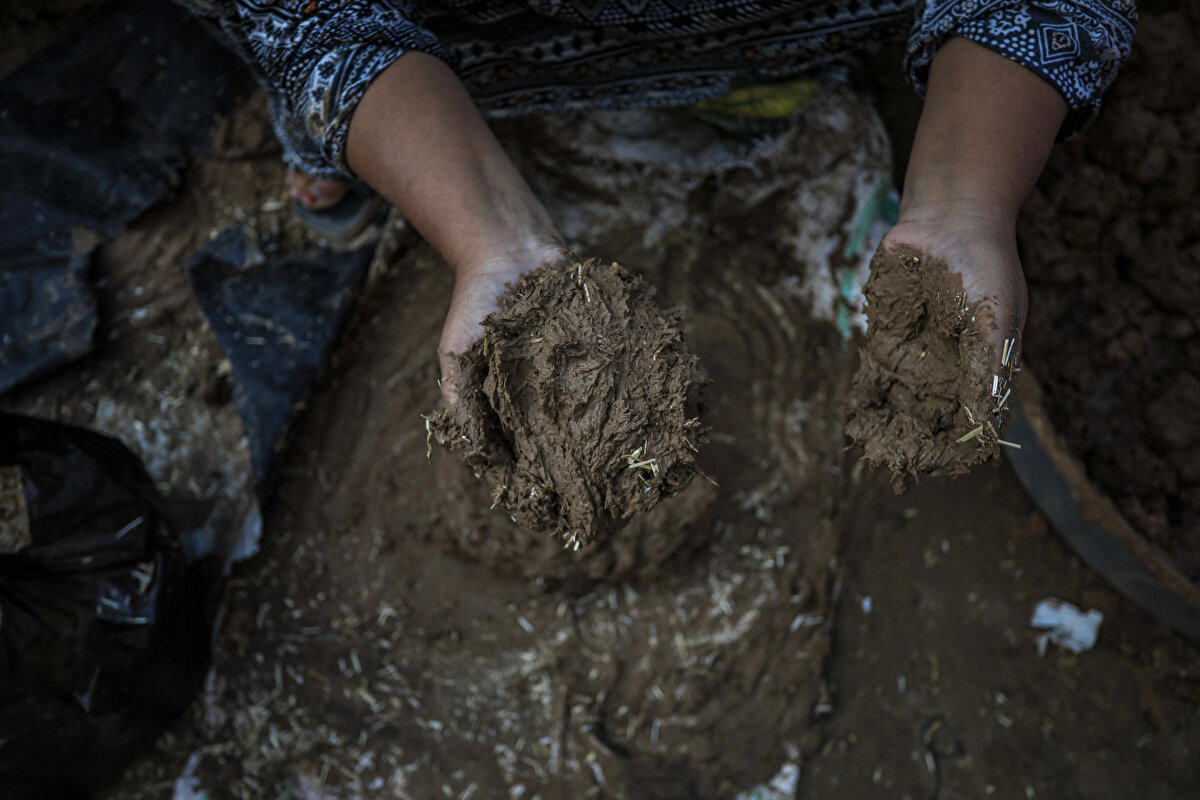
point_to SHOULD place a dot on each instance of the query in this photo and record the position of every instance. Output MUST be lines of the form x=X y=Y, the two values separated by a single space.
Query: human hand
x=982 y=249
x=448 y=176
x=477 y=290
x=986 y=129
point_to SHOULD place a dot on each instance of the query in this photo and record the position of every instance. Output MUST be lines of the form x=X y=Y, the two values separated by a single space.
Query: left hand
x=982 y=250
x=986 y=129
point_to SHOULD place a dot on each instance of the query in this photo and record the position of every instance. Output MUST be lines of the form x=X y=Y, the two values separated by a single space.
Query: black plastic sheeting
x=277 y=318
x=106 y=617
x=93 y=131
x=104 y=630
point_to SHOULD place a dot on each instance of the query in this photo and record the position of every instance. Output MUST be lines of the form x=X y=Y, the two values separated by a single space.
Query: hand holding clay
x=946 y=301
x=477 y=292
x=579 y=406
x=983 y=254
x=946 y=297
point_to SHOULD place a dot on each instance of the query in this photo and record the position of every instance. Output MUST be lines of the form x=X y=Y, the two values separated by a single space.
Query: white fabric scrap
x=782 y=786
x=1065 y=625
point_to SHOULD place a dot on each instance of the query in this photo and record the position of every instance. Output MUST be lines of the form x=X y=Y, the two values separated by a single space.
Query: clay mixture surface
x=1109 y=242
x=922 y=402
x=578 y=407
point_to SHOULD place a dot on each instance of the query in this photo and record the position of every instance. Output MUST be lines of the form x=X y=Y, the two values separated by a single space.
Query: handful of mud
x=579 y=405
x=925 y=399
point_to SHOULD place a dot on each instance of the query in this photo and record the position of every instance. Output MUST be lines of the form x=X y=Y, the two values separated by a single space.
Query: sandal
x=345 y=220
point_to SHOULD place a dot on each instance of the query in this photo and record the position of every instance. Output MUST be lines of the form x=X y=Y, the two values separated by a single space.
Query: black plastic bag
x=104 y=634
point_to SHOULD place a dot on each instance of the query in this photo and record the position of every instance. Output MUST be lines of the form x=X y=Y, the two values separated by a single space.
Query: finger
x=450 y=375
x=993 y=323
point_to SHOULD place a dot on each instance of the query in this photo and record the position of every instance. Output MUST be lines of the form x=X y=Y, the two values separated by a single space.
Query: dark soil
x=1110 y=244
x=28 y=26
x=922 y=401
x=578 y=407
x=937 y=688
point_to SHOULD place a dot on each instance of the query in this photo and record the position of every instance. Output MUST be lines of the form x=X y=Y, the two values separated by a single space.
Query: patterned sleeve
x=1076 y=46
x=316 y=59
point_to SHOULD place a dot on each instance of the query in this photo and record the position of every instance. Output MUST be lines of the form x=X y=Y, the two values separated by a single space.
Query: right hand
x=477 y=291
x=447 y=175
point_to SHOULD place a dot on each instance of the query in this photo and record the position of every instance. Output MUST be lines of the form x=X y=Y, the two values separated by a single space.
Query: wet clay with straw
x=924 y=400
x=579 y=406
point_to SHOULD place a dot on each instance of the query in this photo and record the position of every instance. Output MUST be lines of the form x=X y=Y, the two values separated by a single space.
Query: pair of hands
x=984 y=135
x=981 y=249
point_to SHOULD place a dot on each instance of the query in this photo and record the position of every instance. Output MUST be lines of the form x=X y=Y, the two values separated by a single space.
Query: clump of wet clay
x=579 y=405
x=924 y=400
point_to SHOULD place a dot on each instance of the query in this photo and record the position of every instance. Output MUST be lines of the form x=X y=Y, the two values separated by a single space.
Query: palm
x=984 y=254
x=477 y=293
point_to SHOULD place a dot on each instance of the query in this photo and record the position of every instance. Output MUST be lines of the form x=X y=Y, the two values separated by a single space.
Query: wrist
x=986 y=129
x=956 y=186
x=947 y=204
x=509 y=251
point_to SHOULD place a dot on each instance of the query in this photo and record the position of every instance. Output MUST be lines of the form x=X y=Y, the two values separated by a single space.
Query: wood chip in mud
x=580 y=404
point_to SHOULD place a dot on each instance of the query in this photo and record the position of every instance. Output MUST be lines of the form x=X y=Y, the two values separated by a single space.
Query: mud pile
x=1109 y=245
x=579 y=404
x=650 y=546
x=922 y=399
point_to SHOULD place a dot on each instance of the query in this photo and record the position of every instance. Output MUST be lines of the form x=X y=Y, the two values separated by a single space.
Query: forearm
x=984 y=135
x=417 y=139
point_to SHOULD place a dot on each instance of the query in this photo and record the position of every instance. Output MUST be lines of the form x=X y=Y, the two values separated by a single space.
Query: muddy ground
x=356 y=660
x=388 y=642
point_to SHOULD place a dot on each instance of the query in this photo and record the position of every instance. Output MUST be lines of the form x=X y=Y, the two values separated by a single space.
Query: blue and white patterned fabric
x=1076 y=47
x=316 y=57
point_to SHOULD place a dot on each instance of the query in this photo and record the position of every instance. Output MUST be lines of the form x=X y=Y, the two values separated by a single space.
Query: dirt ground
x=388 y=641
x=1109 y=243
x=937 y=687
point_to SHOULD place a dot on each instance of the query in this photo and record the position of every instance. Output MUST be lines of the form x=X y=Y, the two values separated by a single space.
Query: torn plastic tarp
x=105 y=632
x=93 y=131
x=277 y=318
